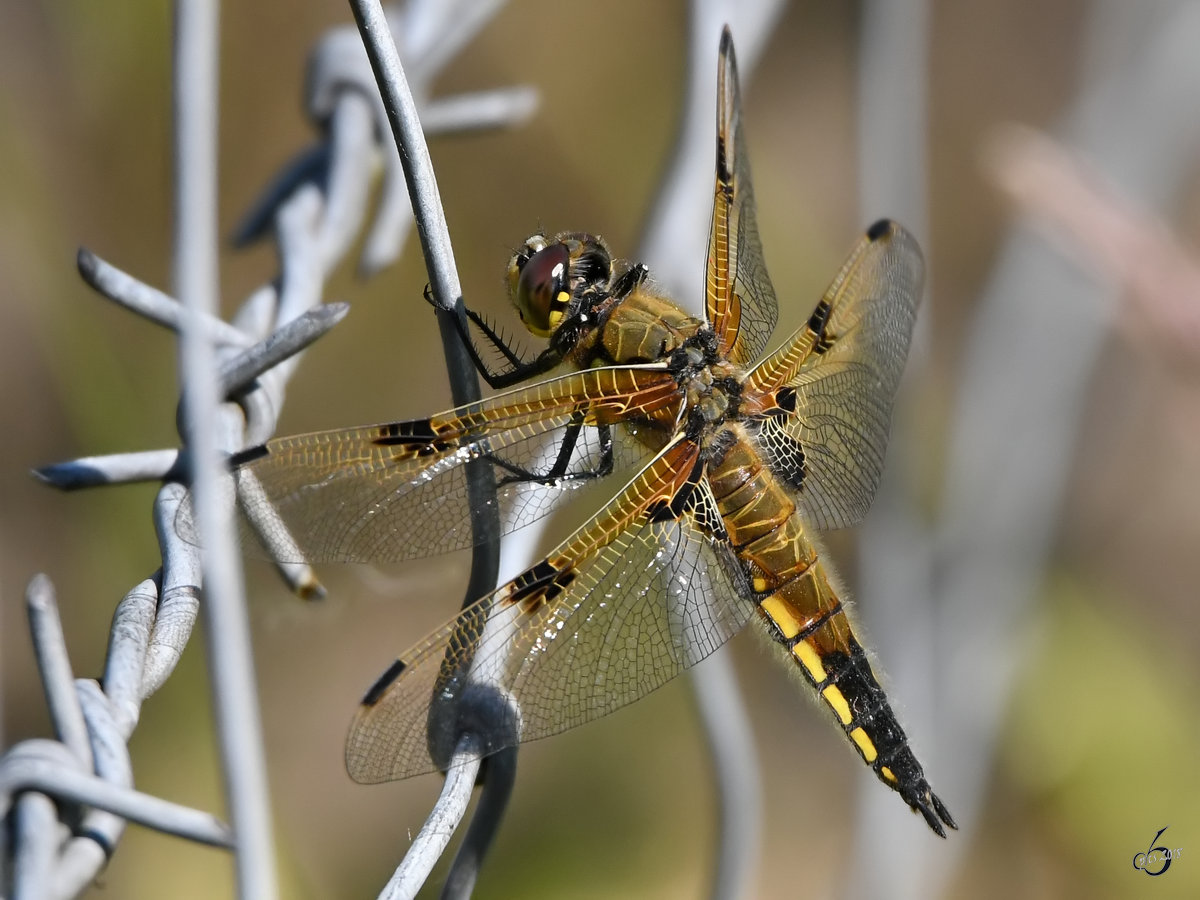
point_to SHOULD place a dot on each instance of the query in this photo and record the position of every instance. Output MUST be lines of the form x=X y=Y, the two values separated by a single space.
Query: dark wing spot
x=818 y=322
x=726 y=42
x=724 y=176
x=419 y=431
x=880 y=229
x=371 y=697
x=820 y=317
x=539 y=585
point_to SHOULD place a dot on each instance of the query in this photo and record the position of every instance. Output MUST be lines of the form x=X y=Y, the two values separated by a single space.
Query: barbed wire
x=65 y=802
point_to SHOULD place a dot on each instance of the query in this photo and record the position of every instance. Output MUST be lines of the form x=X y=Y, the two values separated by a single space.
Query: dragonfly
x=734 y=459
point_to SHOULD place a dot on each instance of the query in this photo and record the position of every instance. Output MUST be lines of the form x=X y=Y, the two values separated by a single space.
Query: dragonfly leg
x=630 y=281
x=559 y=469
x=517 y=369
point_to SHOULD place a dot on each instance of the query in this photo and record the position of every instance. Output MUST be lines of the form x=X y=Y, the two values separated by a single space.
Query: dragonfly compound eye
x=541 y=291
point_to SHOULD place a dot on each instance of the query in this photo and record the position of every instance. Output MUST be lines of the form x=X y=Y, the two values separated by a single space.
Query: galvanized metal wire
x=65 y=802
x=405 y=125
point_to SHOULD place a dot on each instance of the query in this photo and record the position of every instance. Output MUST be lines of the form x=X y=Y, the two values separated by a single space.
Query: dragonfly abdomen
x=804 y=614
x=806 y=617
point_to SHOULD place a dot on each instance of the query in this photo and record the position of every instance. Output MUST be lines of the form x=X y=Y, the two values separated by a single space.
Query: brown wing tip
x=881 y=229
x=727 y=68
x=727 y=108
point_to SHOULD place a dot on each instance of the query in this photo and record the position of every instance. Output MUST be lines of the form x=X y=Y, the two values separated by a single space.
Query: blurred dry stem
x=1086 y=214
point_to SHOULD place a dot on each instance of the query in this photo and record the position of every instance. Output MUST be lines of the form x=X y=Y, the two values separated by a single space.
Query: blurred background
x=1050 y=682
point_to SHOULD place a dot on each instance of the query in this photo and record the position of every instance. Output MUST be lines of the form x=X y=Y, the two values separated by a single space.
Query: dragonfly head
x=547 y=278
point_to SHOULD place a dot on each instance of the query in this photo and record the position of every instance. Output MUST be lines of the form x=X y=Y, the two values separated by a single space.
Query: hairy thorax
x=646 y=328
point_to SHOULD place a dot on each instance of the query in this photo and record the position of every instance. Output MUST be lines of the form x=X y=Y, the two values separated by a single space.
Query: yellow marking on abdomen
x=865 y=744
x=837 y=700
x=811 y=661
x=780 y=613
x=888 y=774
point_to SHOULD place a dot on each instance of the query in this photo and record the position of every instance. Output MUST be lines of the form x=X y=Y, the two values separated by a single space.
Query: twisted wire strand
x=65 y=803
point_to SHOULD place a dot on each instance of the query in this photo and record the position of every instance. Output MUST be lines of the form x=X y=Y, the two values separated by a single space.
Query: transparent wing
x=739 y=298
x=647 y=588
x=833 y=382
x=398 y=491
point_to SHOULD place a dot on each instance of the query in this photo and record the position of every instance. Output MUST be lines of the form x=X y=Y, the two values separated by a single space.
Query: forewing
x=398 y=491
x=647 y=588
x=833 y=382
x=739 y=298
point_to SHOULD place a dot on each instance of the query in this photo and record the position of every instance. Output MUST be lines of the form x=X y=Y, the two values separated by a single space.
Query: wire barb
x=116 y=468
x=149 y=302
x=50 y=648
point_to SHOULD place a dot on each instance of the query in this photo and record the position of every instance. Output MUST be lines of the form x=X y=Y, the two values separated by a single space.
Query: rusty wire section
x=65 y=803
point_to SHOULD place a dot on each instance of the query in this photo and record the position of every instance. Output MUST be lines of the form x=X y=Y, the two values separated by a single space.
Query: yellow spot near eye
x=864 y=744
x=778 y=611
x=808 y=656
x=563 y=297
x=888 y=774
x=837 y=700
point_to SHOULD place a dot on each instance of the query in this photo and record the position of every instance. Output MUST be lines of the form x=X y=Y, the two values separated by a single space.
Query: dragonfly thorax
x=712 y=385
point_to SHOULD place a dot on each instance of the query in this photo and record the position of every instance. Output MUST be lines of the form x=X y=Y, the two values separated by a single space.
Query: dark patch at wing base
x=683 y=500
x=783 y=451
